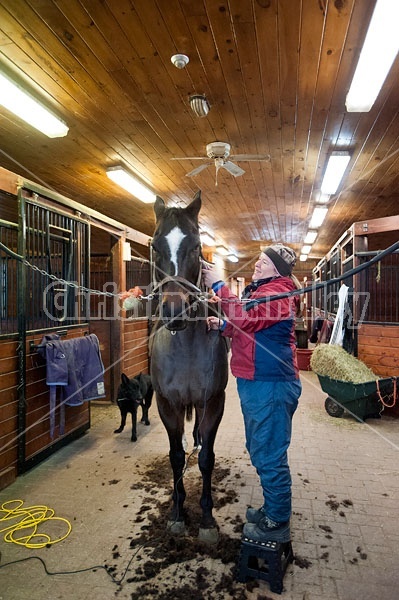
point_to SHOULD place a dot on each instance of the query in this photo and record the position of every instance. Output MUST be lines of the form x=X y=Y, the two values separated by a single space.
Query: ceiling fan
x=219 y=152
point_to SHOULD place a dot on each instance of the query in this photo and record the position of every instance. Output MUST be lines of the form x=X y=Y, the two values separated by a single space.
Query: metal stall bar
x=21 y=350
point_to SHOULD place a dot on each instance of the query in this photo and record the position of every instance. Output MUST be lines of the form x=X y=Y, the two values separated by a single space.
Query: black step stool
x=264 y=560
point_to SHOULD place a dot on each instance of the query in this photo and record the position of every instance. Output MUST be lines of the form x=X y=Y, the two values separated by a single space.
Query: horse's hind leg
x=174 y=425
x=208 y=426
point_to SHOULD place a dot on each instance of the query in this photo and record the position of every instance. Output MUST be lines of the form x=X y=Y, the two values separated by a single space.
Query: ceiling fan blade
x=249 y=157
x=189 y=158
x=198 y=170
x=235 y=170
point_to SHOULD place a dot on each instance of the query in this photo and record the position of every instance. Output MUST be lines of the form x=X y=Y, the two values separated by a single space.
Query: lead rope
x=380 y=397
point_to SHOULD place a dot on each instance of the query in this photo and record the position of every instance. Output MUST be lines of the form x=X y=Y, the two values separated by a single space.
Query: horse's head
x=177 y=249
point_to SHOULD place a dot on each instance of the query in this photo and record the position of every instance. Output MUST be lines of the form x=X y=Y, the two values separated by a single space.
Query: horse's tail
x=189 y=412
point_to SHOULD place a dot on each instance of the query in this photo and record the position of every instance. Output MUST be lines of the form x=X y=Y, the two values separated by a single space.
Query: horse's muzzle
x=175 y=324
x=174 y=312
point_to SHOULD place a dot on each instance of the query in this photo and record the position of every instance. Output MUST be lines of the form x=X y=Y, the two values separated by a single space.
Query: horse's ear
x=159 y=207
x=194 y=207
x=124 y=378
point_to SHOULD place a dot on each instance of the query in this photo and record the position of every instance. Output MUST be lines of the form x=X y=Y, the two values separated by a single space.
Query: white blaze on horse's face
x=174 y=239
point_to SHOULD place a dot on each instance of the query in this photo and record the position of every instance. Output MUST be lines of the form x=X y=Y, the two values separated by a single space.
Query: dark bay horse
x=188 y=364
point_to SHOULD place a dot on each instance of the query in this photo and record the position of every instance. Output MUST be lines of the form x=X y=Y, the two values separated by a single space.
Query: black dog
x=131 y=394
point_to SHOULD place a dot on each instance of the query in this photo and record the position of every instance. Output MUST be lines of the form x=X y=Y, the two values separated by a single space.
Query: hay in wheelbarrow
x=362 y=400
x=334 y=362
x=350 y=384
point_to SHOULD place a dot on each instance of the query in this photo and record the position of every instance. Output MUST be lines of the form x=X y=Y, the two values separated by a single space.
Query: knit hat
x=283 y=258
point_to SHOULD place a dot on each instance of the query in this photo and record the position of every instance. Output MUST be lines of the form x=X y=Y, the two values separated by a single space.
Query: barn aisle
x=115 y=494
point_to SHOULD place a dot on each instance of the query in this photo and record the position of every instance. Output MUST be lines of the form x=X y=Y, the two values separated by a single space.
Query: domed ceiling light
x=199 y=105
x=180 y=60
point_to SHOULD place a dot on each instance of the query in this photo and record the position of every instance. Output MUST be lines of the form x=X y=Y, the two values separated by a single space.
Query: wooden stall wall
x=374 y=323
x=136 y=323
x=378 y=347
x=37 y=441
x=44 y=304
x=8 y=412
x=135 y=347
x=105 y=267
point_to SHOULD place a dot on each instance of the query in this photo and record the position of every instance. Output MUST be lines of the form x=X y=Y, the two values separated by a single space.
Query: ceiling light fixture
x=232 y=258
x=24 y=106
x=128 y=182
x=306 y=249
x=323 y=198
x=222 y=250
x=207 y=239
x=310 y=237
x=199 y=105
x=303 y=257
x=335 y=170
x=180 y=60
x=319 y=214
x=379 y=50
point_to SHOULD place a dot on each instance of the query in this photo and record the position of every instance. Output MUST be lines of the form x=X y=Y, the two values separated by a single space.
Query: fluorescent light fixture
x=222 y=250
x=24 y=106
x=319 y=214
x=207 y=239
x=232 y=258
x=310 y=237
x=303 y=257
x=323 y=198
x=335 y=170
x=132 y=185
x=376 y=57
x=306 y=249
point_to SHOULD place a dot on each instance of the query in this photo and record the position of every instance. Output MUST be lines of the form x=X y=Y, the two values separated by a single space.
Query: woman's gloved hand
x=130 y=298
x=214 y=323
x=210 y=274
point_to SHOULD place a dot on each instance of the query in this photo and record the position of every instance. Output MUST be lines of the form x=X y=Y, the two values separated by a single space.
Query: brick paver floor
x=345 y=529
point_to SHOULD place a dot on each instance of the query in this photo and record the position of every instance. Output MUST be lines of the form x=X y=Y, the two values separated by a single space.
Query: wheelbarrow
x=362 y=400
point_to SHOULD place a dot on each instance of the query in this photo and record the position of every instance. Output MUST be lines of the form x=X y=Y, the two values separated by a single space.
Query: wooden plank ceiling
x=275 y=73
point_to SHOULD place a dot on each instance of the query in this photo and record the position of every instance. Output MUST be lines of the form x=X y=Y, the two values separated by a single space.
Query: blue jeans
x=268 y=408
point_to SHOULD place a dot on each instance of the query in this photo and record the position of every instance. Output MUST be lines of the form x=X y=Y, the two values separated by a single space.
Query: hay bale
x=334 y=362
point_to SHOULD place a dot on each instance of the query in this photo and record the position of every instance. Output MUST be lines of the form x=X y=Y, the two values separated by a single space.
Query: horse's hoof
x=177 y=527
x=209 y=536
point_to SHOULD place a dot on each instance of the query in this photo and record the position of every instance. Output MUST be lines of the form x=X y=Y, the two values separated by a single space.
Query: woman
x=265 y=365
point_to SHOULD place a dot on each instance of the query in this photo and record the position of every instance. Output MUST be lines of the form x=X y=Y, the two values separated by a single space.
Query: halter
x=187 y=285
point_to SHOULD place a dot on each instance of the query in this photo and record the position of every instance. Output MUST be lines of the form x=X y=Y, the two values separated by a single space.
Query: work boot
x=254 y=515
x=267 y=530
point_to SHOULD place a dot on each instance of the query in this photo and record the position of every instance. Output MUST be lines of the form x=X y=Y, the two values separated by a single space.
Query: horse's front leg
x=174 y=425
x=208 y=426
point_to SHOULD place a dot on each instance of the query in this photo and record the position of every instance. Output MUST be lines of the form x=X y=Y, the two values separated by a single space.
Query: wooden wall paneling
x=37 y=434
x=378 y=347
x=268 y=50
x=105 y=68
x=155 y=89
x=91 y=88
x=289 y=45
x=257 y=178
x=135 y=357
x=8 y=412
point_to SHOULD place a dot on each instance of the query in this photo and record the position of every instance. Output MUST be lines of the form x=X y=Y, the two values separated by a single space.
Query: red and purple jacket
x=263 y=341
